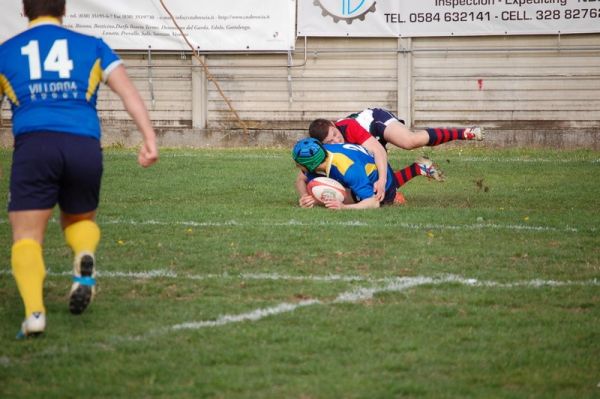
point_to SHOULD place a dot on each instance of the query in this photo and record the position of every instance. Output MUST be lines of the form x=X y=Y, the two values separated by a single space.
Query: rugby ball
x=322 y=188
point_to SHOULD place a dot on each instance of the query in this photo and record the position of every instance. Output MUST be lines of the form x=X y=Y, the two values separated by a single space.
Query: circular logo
x=346 y=10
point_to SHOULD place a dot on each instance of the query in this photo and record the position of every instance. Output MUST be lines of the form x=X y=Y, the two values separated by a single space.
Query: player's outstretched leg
x=399 y=135
x=441 y=135
x=422 y=167
x=474 y=133
x=429 y=169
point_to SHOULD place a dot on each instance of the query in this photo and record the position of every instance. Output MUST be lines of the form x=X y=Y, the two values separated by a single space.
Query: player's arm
x=305 y=199
x=358 y=182
x=356 y=134
x=368 y=203
x=381 y=160
x=120 y=83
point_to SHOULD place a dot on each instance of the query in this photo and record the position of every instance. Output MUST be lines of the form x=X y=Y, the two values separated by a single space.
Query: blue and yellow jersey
x=51 y=77
x=355 y=168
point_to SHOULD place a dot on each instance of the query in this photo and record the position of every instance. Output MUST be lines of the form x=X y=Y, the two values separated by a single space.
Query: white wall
x=526 y=89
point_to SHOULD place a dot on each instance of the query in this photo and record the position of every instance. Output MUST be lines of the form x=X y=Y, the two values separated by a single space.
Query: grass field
x=214 y=284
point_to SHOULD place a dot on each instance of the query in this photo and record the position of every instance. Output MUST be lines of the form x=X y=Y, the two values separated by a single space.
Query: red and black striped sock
x=439 y=135
x=403 y=176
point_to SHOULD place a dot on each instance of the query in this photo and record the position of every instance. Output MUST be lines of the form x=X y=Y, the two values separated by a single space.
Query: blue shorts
x=390 y=193
x=55 y=168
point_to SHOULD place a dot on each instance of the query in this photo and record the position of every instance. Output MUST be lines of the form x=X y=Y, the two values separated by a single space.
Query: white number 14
x=57 y=59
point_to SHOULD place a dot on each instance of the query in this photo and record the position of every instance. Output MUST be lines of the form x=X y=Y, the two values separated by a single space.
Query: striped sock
x=439 y=135
x=403 y=176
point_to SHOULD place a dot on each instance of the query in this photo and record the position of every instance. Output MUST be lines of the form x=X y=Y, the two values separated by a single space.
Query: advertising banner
x=411 y=18
x=225 y=25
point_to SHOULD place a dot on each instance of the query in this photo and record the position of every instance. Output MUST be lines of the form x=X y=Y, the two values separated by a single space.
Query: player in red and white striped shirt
x=374 y=128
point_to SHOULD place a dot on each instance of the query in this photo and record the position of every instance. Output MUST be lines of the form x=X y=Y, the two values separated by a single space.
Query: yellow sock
x=83 y=236
x=29 y=272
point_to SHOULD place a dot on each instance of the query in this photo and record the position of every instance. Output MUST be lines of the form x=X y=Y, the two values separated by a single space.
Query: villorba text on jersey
x=53 y=89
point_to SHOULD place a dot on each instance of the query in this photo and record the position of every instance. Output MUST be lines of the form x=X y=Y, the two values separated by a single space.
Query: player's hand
x=379 y=189
x=307 y=201
x=332 y=203
x=148 y=154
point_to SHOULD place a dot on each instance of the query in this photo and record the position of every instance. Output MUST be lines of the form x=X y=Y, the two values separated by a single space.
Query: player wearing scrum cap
x=354 y=167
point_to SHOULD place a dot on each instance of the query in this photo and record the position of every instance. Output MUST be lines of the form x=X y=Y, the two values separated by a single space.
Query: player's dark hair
x=319 y=128
x=39 y=8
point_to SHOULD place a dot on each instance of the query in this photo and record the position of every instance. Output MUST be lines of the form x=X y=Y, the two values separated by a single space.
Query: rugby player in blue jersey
x=351 y=165
x=51 y=77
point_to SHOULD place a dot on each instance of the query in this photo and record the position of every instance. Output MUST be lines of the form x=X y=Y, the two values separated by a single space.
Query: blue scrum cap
x=309 y=153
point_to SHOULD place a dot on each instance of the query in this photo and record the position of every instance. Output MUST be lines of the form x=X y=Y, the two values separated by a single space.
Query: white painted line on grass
x=357 y=295
x=203 y=155
x=349 y=223
x=521 y=160
x=453 y=157
x=162 y=273
x=382 y=285
x=254 y=315
x=326 y=278
x=360 y=294
x=399 y=284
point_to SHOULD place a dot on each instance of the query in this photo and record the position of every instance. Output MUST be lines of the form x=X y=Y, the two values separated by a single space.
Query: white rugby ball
x=323 y=188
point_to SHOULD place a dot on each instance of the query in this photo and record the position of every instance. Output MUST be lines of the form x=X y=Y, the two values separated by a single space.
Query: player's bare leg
x=399 y=135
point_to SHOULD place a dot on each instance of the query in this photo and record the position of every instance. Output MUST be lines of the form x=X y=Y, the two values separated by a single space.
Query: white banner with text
x=225 y=25
x=411 y=18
